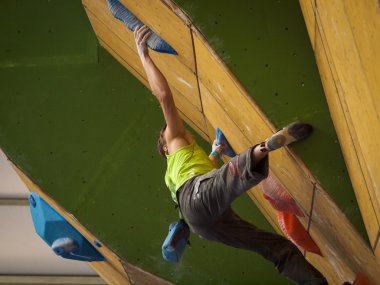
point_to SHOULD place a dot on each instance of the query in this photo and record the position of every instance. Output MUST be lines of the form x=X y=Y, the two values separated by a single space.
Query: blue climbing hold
x=175 y=242
x=123 y=14
x=221 y=139
x=62 y=237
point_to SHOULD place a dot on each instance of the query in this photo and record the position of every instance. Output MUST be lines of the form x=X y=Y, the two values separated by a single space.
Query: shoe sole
x=294 y=132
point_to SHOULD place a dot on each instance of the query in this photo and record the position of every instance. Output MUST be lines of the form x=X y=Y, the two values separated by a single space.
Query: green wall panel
x=42 y=32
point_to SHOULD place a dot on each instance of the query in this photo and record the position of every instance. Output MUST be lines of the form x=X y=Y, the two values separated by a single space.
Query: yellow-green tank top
x=185 y=163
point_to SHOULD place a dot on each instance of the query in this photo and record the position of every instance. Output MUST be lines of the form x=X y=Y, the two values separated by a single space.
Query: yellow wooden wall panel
x=357 y=94
x=347 y=53
x=111 y=270
x=250 y=121
x=200 y=129
x=324 y=267
x=109 y=274
x=219 y=118
x=342 y=121
x=342 y=246
x=364 y=19
x=121 y=39
x=141 y=277
x=161 y=18
x=210 y=130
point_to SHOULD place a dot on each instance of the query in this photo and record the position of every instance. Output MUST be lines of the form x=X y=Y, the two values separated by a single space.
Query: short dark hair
x=161 y=142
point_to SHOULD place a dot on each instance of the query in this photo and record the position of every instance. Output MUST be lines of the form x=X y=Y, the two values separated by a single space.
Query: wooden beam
x=219 y=118
x=141 y=277
x=364 y=20
x=347 y=37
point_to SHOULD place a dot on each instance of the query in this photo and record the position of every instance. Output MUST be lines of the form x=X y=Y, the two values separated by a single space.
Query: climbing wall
x=83 y=130
x=214 y=97
x=73 y=120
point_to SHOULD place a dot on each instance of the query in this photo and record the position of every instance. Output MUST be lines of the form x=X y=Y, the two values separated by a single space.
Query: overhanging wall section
x=212 y=97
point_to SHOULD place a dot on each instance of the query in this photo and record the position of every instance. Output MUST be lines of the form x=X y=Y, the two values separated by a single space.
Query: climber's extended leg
x=231 y=230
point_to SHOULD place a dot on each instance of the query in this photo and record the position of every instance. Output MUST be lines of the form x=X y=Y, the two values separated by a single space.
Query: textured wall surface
x=85 y=130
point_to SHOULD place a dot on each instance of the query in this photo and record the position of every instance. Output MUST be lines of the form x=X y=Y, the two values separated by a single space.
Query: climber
x=204 y=192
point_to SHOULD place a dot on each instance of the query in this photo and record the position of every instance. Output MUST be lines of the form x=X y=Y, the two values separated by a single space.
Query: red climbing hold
x=361 y=279
x=287 y=214
x=294 y=230
x=278 y=197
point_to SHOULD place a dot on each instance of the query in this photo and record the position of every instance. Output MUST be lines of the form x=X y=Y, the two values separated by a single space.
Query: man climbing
x=205 y=193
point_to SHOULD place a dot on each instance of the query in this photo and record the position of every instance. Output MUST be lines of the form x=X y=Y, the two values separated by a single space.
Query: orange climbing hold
x=294 y=230
x=278 y=197
x=288 y=211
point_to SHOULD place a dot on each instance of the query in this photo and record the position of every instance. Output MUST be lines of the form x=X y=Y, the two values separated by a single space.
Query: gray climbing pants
x=205 y=205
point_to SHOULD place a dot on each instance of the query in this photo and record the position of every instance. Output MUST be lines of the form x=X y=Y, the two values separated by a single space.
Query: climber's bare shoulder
x=183 y=139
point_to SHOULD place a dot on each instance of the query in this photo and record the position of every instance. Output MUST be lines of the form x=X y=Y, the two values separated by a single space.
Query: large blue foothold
x=123 y=14
x=221 y=139
x=176 y=241
x=62 y=237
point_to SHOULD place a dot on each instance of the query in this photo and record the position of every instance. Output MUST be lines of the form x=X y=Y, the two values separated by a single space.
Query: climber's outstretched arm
x=160 y=88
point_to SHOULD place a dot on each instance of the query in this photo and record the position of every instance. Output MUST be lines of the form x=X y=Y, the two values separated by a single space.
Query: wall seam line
x=197 y=77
